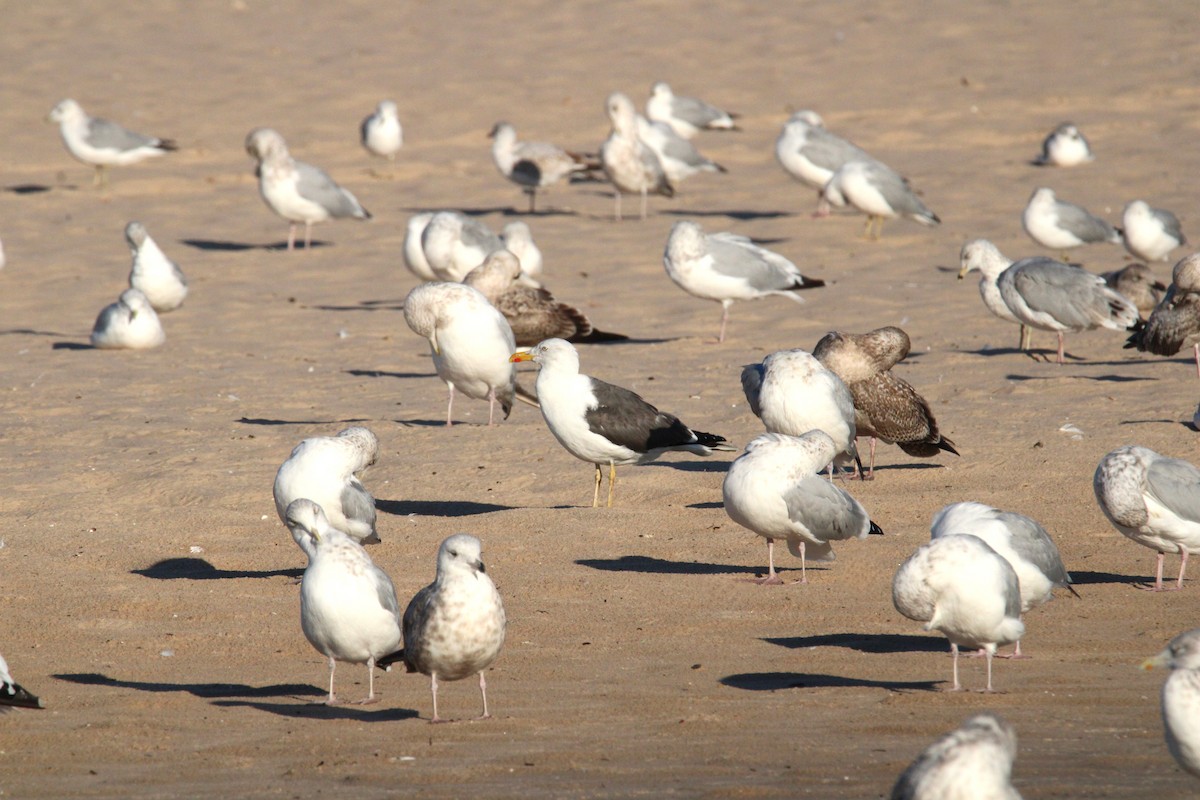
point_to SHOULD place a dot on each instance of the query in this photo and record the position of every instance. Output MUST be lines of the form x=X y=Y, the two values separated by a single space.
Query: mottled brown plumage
x=1138 y=284
x=1175 y=323
x=886 y=407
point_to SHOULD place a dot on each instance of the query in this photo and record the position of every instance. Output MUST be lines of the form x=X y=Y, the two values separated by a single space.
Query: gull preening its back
x=158 y=277
x=811 y=154
x=878 y=191
x=1175 y=322
x=128 y=324
x=972 y=762
x=1059 y=225
x=687 y=116
x=296 y=191
x=600 y=423
x=414 y=252
x=1181 y=698
x=725 y=267
x=381 y=133
x=773 y=490
x=534 y=165
x=102 y=143
x=454 y=244
x=629 y=162
x=984 y=256
x=517 y=238
x=1065 y=146
x=328 y=470
x=1150 y=233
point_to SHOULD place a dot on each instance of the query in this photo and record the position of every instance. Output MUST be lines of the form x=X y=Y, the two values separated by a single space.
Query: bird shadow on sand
x=741 y=214
x=379 y=373
x=1036 y=354
x=774 y=681
x=30 y=188
x=32 y=332
x=1086 y=578
x=713 y=504
x=238 y=247
x=322 y=711
x=659 y=566
x=437 y=508
x=1187 y=423
x=71 y=346
x=1105 y=378
x=207 y=691
x=197 y=569
x=865 y=642
x=365 y=305
x=266 y=421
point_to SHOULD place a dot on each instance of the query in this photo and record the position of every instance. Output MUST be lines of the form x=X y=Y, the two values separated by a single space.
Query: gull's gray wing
x=826 y=510
x=1083 y=224
x=1034 y=544
x=107 y=135
x=830 y=151
x=315 y=185
x=752 y=379
x=751 y=264
x=1065 y=293
x=1175 y=484
x=479 y=236
x=358 y=504
x=1170 y=223
x=386 y=591
x=896 y=191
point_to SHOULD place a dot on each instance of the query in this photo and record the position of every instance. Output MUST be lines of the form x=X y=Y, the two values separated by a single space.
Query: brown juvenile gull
x=534 y=165
x=1137 y=283
x=984 y=256
x=686 y=115
x=348 y=607
x=296 y=191
x=454 y=627
x=1181 y=698
x=102 y=143
x=328 y=471
x=972 y=762
x=1059 y=225
x=773 y=490
x=886 y=406
x=878 y=191
x=1150 y=233
x=726 y=267
x=628 y=162
x=159 y=278
x=533 y=314
x=1153 y=500
x=600 y=423
x=1065 y=146
x=12 y=694
x=1175 y=322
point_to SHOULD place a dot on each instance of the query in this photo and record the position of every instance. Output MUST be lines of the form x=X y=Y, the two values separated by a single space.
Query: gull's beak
x=1160 y=660
x=524 y=355
x=479 y=567
x=962 y=273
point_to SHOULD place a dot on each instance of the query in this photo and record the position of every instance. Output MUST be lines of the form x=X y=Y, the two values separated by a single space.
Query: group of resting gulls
x=483 y=309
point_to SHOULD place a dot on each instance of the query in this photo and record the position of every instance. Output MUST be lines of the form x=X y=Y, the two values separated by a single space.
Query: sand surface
x=148 y=590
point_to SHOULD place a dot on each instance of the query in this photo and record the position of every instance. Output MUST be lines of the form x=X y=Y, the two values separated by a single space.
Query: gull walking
x=1181 y=698
x=328 y=471
x=1150 y=233
x=1059 y=225
x=1175 y=322
x=687 y=116
x=101 y=143
x=972 y=761
x=1065 y=146
x=628 y=162
x=158 y=277
x=128 y=324
x=877 y=191
x=533 y=165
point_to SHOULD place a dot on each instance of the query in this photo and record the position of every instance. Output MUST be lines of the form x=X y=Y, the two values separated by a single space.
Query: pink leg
x=1016 y=655
x=450 y=405
x=989 y=671
x=1158 y=573
x=724 y=319
x=1182 y=567
x=491 y=411
x=483 y=691
x=291 y=237
x=871 y=471
x=803 y=565
x=332 y=701
x=1060 y=348
x=370 y=698
x=955 y=686
x=771 y=578
x=433 y=688
x=822 y=207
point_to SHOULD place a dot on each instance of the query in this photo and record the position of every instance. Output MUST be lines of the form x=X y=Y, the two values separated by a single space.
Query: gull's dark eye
x=454 y=553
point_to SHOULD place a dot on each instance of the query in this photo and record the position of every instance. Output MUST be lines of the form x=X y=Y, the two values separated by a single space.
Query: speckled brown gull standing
x=1175 y=323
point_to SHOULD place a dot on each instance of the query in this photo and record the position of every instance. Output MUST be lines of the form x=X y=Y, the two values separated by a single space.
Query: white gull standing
x=877 y=191
x=960 y=586
x=725 y=267
x=128 y=324
x=600 y=423
x=1059 y=225
x=679 y=157
x=102 y=143
x=972 y=762
x=686 y=115
x=158 y=277
x=518 y=240
x=454 y=627
x=811 y=154
x=1064 y=146
x=381 y=133
x=1181 y=698
x=454 y=244
x=1153 y=500
x=414 y=253
x=12 y=694
x=1150 y=233
x=1175 y=322
x=348 y=606
x=773 y=489
x=533 y=165
x=984 y=256
x=629 y=162
x=296 y=191
x=328 y=471
x=470 y=341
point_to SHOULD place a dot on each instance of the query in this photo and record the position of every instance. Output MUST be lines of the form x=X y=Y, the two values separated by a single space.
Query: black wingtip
x=808 y=283
x=168 y=144
x=948 y=446
x=385 y=663
x=875 y=530
x=16 y=696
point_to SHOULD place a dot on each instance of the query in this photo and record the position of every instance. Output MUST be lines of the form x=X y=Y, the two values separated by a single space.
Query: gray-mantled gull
x=687 y=116
x=679 y=157
x=811 y=154
x=725 y=267
x=1065 y=146
x=886 y=406
x=1023 y=543
x=128 y=324
x=296 y=191
x=972 y=762
x=328 y=471
x=533 y=314
x=1052 y=296
x=102 y=143
x=877 y=191
x=470 y=341
x=1181 y=698
x=792 y=393
x=381 y=133
x=454 y=627
x=600 y=423
x=1152 y=499
x=455 y=244
x=984 y=256
x=1150 y=233
x=960 y=586
x=159 y=278
x=1059 y=225
x=629 y=162
x=348 y=606
x=12 y=694
x=534 y=165
x=1138 y=284
x=518 y=240
x=773 y=490
x=414 y=253
x=1175 y=322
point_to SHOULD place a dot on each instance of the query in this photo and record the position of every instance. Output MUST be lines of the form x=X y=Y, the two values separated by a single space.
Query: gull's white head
x=266 y=144
x=551 y=354
x=459 y=556
x=1182 y=652
x=66 y=111
x=984 y=256
x=307 y=523
x=135 y=235
x=686 y=241
x=621 y=113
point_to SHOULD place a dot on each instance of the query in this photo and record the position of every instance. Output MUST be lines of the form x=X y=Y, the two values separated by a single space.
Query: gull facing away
x=679 y=157
x=972 y=762
x=960 y=586
x=984 y=256
x=12 y=694
x=600 y=423
x=101 y=143
x=1022 y=542
x=811 y=154
x=128 y=324
x=687 y=116
x=454 y=627
x=455 y=244
x=296 y=191
x=1181 y=698
x=328 y=471
x=773 y=490
x=629 y=162
x=534 y=165
x=414 y=253
x=348 y=606
x=877 y=191
x=470 y=341
x=1153 y=500
x=158 y=277
x=793 y=393
x=533 y=314
x=1136 y=282
x=1150 y=233
x=517 y=238
x=381 y=133
x=1065 y=146
x=1051 y=296
x=1175 y=322
x=725 y=267
x=1059 y=225
x=886 y=406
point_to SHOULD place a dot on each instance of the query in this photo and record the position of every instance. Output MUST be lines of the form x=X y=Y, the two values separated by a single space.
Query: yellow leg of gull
x=612 y=479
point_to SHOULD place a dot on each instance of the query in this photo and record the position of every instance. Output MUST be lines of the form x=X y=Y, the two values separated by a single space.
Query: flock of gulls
x=483 y=308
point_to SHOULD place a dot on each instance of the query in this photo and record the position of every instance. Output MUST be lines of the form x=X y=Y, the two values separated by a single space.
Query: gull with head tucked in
x=533 y=165
x=726 y=267
x=629 y=162
x=454 y=244
x=687 y=116
x=1175 y=322
x=972 y=762
x=328 y=470
x=1065 y=146
x=877 y=191
x=1150 y=233
x=811 y=154
x=381 y=133
x=296 y=191
x=1059 y=225
x=158 y=277
x=102 y=143
x=1181 y=698
x=128 y=324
